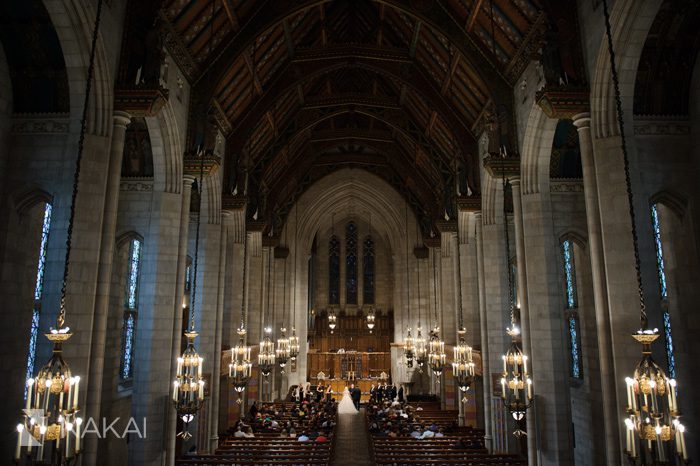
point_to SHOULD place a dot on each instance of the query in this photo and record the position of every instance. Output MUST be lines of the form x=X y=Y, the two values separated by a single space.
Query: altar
x=340 y=369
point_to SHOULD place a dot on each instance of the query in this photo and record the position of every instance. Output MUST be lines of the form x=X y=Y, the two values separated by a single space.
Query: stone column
x=549 y=362
x=484 y=335
x=104 y=278
x=216 y=362
x=523 y=304
x=177 y=308
x=154 y=338
x=607 y=373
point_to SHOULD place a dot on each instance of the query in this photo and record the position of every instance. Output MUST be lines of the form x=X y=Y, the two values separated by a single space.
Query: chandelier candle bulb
x=78 y=421
x=20 y=429
x=30 y=384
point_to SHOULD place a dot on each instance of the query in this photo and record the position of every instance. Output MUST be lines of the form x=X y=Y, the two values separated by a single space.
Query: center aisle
x=352 y=442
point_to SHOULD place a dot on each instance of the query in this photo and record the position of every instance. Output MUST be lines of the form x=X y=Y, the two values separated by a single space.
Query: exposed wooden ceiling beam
x=450 y=74
x=231 y=13
x=324 y=35
x=414 y=39
x=473 y=14
x=288 y=39
x=253 y=73
x=380 y=33
x=431 y=123
x=271 y=122
x=300 y=94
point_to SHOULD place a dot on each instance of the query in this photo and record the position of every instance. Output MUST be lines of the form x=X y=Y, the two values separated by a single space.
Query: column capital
x=515 y=181
x=582 y=120
x=121 y=118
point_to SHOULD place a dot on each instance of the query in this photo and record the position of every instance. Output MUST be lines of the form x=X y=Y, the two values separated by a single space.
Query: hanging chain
x=418 y=273
x=266 y=314
x=296 y=244
x=61 y=319
x=625 y=158
x=284 y=281
x=435 y=307
x=408 y=279
x=200 y=187
x=507 y=241
x=244 y=294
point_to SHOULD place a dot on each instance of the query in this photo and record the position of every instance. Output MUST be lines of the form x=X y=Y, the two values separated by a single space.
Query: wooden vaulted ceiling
x=399 y=88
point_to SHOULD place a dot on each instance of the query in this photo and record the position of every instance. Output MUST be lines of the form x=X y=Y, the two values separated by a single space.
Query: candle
x=42 y=431
x=60 y=400
x=175 y=384
x=529 y=388
x=70 y=392
x=672 y=393
x=75 y=392
x=20 y=429
x=199 y=367
x=683 y=451
x=30 y=384
x=503 y=387
x=524 y=365
x=78 y=421
x=69 y=431
x=505 y=369
x=201 y=390
x=629 y=392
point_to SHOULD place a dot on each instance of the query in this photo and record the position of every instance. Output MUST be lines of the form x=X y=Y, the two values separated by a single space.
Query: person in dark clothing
x=355 y=394
x=380 y=394
x=401 y=394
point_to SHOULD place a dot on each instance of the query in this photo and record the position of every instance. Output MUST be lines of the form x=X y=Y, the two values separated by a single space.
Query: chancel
x=350 y=232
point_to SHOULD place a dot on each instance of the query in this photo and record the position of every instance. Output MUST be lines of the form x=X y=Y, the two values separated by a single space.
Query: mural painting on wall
x=138 y=156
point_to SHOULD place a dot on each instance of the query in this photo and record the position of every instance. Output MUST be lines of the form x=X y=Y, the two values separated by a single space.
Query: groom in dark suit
x=355 y=394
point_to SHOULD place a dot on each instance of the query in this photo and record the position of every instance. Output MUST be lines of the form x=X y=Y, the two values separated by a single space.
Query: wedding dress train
x=346 y=406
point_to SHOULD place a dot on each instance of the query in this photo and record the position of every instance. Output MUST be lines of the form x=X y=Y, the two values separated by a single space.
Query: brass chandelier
x=408 y=342
x=188 y=387
x=49 y=432
x=654 y=433
x=516 y=384
x=436 y=346
x=370 y=318
x=266 y=353
x=241 y=368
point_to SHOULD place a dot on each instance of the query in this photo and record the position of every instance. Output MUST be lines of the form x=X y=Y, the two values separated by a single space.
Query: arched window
x=334 y=270
x=351 y=263
x=130 y=310
x=368 y=271
x=663 y=288
x=38 y=292
x=573 y=325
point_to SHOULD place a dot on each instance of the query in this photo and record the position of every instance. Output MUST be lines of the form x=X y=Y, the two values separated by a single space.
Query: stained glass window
x=663 y=288
x=131 y=310
x=368 y=271
x=661 y=269
x=38 y=291
x=334 y=271
x=351 y=263
x=574 y=342
x=569 y=274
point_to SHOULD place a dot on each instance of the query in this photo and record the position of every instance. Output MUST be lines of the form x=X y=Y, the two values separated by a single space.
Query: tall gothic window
x=351 y=263
x=663 y=288
x=573 y=327
x=334 y=270
x=569 y=274
x=368 y=271
x=38 y=291
x=126 y=370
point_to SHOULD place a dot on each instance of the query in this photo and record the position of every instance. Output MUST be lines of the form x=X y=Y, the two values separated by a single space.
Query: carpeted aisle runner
x=352 y=441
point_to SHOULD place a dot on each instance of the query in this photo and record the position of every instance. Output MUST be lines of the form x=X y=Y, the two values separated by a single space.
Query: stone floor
x=352 y=442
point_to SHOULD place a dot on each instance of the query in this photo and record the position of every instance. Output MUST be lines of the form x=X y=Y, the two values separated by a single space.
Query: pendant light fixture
x=188 y=387
x=282 y=351
x=516 y=384
x=50 y=429
x=371 y=317
x=463 y=367
x=436 y=346
x=332 y=317
x=240 y=369
x=654 y=433
x=420 y=345
x=266 y=353
x=294 y=339
x=408 y=343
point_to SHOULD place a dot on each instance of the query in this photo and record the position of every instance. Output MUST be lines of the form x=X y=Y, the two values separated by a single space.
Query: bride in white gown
x=346 y=406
